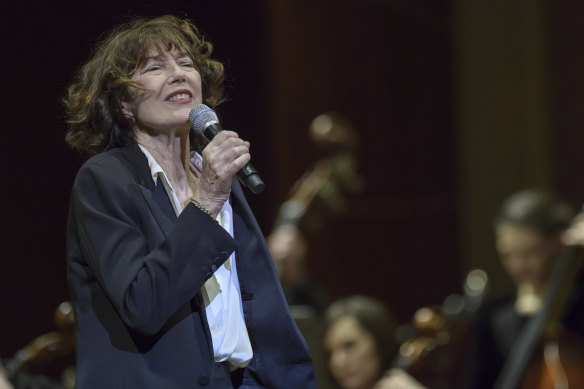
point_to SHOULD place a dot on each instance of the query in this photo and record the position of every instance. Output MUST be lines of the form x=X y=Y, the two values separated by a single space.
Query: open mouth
x=179 y=97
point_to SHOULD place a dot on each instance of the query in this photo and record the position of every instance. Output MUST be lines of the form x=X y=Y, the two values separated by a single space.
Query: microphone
x=204 y=120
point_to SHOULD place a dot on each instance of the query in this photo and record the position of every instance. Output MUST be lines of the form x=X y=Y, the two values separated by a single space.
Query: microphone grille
x=201 y=116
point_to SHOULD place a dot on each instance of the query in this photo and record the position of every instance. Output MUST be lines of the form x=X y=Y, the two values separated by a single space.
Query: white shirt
x=221 y=292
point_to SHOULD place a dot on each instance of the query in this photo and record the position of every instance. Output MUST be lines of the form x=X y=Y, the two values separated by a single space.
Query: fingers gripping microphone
x=204 y=120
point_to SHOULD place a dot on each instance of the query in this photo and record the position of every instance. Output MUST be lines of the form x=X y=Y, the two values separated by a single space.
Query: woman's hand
x=398 y=379
x=222 y=159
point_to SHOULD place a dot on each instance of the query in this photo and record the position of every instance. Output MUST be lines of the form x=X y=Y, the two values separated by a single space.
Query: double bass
x=325 y=182
x=546 y=355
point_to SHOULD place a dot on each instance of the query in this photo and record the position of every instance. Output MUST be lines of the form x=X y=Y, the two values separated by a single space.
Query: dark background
x=402 y=71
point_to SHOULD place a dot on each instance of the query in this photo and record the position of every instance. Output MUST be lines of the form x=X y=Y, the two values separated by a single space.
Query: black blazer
x=135 y=275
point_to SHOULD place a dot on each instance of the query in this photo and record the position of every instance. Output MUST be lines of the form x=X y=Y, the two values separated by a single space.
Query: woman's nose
x=177 y=73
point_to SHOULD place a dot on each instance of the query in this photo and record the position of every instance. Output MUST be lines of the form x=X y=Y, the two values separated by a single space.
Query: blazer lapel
x=154 y=195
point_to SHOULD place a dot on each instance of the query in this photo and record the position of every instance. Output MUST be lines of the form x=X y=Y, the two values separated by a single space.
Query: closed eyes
x=155 y=67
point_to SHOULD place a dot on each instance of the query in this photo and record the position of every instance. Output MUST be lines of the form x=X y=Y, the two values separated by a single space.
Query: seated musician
x=529 y=232
x=360 y=345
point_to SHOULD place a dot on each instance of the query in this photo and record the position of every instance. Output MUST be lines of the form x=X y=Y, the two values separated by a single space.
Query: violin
x=431 y=352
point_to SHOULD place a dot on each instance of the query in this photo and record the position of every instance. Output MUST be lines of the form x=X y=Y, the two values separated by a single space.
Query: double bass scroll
x=329 y=176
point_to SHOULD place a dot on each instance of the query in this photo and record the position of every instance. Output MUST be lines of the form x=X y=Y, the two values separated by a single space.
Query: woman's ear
x=127 y=110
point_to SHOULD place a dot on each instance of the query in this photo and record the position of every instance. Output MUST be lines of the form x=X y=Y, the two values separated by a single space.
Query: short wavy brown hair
x=93 y=101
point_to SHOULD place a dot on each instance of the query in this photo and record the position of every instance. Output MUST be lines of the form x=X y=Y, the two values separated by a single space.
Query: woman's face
x=354 y=361
x=173 y=87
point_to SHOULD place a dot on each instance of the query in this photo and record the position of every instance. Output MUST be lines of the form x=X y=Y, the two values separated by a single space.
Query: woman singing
x=170 y=277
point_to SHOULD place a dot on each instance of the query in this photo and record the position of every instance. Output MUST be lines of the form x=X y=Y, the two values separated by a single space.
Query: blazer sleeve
x=147 y=275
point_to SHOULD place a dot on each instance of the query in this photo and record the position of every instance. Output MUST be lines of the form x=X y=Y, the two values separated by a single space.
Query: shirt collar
x=155 y=168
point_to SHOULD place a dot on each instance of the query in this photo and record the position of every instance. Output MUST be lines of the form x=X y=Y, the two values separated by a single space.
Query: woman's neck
x=169 y=150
